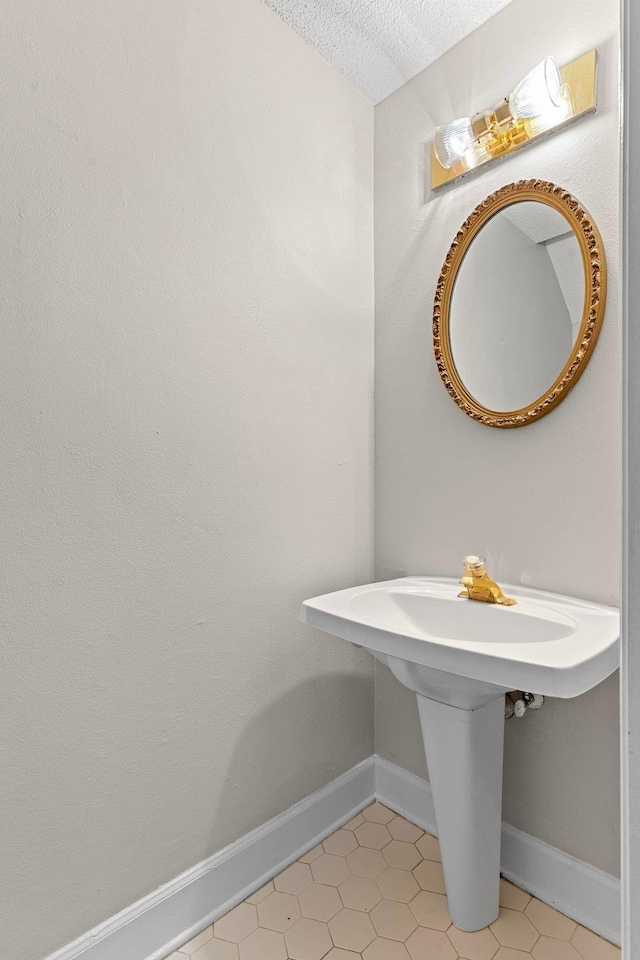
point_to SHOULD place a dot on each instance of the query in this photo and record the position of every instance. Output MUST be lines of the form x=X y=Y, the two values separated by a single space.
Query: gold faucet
x=478 y=586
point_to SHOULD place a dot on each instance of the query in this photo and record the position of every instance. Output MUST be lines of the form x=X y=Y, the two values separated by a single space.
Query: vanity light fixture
x=545 y=100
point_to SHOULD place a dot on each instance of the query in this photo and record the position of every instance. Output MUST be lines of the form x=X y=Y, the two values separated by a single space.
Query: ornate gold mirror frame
x=595 y=269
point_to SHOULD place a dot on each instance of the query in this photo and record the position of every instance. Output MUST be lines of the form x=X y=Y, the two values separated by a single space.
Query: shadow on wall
x=578 y=810
x=285 y=752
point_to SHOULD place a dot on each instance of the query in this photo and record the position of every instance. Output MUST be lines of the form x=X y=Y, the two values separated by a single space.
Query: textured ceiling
x=380 y=44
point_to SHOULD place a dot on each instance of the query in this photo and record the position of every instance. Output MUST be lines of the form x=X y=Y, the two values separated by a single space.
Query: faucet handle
x=475 y=566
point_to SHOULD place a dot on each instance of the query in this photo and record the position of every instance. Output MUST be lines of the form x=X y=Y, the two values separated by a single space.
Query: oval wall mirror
x=519 y=304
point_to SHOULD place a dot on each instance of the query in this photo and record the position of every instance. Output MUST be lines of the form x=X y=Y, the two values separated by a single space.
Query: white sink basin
x=461 y=656
x=547 y=643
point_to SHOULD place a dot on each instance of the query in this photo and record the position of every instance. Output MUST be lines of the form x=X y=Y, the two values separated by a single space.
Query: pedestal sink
x=460 y=657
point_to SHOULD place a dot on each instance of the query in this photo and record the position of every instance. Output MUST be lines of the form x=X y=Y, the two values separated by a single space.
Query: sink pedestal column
x=464 y=750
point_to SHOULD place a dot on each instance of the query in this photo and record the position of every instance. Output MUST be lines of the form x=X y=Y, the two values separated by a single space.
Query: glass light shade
x=475 y=156
x=452 y=140
x=553 y=116
x=539 y=92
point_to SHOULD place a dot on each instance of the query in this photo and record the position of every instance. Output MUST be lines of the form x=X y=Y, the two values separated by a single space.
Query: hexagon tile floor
x=374 y=890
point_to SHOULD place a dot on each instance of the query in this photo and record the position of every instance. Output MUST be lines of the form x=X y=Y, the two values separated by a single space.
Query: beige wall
x=549 y=515
x=187 y=414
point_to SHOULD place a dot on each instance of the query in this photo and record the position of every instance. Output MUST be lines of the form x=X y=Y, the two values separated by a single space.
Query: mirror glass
x=517 y=305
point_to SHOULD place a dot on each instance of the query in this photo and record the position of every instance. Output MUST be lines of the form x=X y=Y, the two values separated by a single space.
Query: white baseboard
x=580 y=891
x=158 y=924
x=575 y=888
